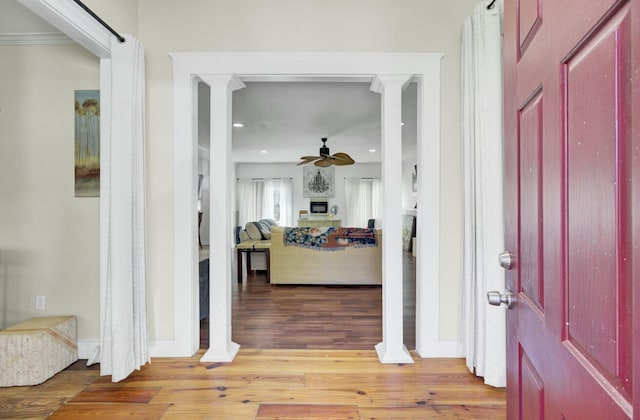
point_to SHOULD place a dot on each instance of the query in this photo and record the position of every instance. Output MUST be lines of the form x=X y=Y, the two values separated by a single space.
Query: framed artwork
x=318 y=182
x=87 y=143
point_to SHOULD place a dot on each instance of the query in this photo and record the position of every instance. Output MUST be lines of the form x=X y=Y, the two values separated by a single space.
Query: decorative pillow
x=253 y=231
x=270 y=221
x=244 y=236
x=265 y=229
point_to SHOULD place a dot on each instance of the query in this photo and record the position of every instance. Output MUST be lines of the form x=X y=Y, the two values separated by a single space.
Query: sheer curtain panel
x=124 y=344
x=482 y=327
x=265 y=199
x=363 y=200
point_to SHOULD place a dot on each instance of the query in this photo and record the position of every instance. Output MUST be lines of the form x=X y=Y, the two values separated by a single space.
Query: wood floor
x=313 y=317
x=267 y=384
x=307 y=353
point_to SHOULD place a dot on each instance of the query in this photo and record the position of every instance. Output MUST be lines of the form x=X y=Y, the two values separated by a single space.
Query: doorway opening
x=425 y=68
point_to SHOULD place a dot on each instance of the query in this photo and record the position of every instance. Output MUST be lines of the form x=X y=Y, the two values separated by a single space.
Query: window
x=265 y=199
x=363 y=200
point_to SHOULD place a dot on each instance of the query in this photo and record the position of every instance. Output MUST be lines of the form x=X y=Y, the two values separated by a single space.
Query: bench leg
x=239 y=258
x=268 y=265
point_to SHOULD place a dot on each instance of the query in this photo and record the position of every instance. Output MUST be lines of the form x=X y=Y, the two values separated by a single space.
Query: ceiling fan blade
x=326 y=159
x=323 y=163
x=308 y=159
x=342 y=159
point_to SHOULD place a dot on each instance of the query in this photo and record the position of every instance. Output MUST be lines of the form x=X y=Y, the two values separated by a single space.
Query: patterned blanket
x=330 y=238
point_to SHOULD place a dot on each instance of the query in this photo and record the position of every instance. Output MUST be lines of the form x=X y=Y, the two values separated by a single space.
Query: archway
x=225 y=72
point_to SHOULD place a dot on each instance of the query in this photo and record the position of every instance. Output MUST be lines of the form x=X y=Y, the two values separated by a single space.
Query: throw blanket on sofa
x=330 y=238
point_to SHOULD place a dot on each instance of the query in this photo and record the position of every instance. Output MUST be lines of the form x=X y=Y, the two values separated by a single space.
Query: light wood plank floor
x=291 y=384
x=305 y=371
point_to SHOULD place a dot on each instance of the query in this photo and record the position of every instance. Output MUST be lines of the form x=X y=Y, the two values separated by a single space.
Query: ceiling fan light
x=326 y=159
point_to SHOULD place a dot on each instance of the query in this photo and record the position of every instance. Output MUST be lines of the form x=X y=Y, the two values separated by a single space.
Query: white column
x=221 y=348
x=392 y=348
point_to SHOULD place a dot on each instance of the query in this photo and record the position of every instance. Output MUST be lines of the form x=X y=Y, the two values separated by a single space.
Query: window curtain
x=124 y=338
x=363 y=200
x=249 y=203
x=286 y=202
x=482 y=327
x=269 y=187
x=257 y=198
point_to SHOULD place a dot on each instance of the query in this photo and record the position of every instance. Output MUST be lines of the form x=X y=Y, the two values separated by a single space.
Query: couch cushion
x=265 y=229
x=244 y=236
x=253 y=230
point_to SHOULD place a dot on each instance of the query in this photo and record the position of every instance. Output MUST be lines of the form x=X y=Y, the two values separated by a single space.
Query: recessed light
x=263 y=151
x=372 y=150
x=238 y=125
x=402 y=123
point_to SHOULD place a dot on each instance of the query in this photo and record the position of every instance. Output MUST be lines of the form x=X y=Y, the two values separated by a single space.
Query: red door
x=572 y=194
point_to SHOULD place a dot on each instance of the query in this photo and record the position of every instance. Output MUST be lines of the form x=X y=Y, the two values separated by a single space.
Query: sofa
x=343 y=264
x=254 y=239
x=255 y=234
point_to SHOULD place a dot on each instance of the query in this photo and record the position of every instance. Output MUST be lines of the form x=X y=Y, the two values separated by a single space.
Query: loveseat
x=350 y=257
x=254 y=238
x=255 y=233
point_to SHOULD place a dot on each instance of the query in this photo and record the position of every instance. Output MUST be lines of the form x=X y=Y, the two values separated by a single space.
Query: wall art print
x=87 y=143
x=318 y=182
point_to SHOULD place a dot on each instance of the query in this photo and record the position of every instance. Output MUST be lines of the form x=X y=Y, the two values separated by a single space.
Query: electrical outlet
x=40 y=302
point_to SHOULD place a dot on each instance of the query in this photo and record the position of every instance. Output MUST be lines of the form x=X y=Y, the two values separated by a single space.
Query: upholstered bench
x=33 y=351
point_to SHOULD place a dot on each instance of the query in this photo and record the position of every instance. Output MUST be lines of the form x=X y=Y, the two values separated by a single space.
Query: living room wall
x=49 y=239
x=291 y=170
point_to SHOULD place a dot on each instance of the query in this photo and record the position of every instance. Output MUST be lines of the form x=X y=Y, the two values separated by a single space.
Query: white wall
x=39 y=242
x=49 y=239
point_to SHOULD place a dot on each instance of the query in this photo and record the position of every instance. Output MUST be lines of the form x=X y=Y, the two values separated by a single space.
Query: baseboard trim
x=86 y=348
x=157 y=348
x=440 y=348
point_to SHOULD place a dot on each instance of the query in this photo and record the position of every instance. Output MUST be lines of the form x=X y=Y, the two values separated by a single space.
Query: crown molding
x=71 y=20
x=34 y=38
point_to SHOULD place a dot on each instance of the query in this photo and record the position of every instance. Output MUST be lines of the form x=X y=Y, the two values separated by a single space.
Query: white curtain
x=268 y=200
x=249 y=201
x=286 y=202
x=363 y=200
x=124 y=337
x=482 y=327
x=257 y=199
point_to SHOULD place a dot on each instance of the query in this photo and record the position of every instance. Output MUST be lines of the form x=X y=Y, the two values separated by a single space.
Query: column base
x=221 y=355
x=386 y=356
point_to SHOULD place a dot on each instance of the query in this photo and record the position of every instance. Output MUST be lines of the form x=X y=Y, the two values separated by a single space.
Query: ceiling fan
x=326 y=158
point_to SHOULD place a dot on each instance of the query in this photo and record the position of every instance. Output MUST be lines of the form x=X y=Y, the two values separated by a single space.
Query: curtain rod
x=366 y=179
x=262 y=179
x=100 y=21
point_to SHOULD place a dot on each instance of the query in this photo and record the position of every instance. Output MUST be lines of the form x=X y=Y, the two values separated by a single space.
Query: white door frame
x=189 y=68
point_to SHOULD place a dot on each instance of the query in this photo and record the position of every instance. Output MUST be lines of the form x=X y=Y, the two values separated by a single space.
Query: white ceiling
x=285 y=119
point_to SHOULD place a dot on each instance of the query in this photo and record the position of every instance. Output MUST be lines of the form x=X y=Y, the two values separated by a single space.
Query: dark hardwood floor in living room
x=313 y=317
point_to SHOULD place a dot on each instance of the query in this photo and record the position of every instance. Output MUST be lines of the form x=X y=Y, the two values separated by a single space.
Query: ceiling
x=282 y=120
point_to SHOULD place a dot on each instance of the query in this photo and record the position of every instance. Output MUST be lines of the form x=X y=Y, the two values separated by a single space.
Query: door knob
x=506 y=260
x=497 y=298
